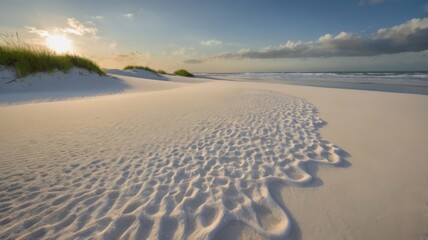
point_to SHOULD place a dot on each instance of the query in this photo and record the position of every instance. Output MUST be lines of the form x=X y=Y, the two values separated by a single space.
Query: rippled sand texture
x=205 y=179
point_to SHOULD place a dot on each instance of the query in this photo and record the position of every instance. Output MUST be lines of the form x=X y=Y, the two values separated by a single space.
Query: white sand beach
x=168 y=157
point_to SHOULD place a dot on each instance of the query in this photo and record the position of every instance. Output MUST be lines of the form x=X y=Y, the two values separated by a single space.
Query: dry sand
x=219 y=160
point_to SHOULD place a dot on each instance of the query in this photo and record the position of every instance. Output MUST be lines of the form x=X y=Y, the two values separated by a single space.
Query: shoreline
x=364 y=86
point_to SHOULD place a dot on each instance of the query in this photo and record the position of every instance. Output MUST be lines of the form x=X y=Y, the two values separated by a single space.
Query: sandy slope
x=216 y=160
x=79 y=83
x=57 y=85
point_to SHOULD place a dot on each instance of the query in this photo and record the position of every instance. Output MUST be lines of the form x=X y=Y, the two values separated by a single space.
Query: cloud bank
x=410 y=36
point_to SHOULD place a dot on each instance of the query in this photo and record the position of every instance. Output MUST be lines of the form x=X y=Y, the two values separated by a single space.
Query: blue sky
x=230 y=36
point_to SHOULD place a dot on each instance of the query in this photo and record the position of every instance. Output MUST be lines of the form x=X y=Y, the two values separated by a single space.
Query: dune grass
x=161 y=71
x=28 y=59
x=147 y=68
x=183 y=72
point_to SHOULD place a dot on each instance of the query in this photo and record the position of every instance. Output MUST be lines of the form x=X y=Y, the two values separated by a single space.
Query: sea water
x=403 y=82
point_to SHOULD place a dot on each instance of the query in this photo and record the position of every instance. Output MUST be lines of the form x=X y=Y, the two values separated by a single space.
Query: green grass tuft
x=85 y=63
x=28 y=59
x=183 y=72
x=162 y=72
x=147 y=68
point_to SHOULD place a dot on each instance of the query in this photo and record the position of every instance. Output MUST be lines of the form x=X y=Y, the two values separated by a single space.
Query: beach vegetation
x=29 y=58
x=184 y=73
x=161 y=71
x=147 y=68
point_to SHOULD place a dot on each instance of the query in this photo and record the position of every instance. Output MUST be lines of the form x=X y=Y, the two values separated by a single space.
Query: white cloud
x=291 y=44
x=40 y=32
x=98 y=17
x=74 y=27
x=410 y=36
x=78 y=28
x=243 y=50
x=401 y=32
x=212 y=42
x=129 y=15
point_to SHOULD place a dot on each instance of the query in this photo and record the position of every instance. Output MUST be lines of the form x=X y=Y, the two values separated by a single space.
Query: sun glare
x=59 y=44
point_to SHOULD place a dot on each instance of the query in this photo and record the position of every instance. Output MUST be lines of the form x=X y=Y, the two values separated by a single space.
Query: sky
x=229 y=36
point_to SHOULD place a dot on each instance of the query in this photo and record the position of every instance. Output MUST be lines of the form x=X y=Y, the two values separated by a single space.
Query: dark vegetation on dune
x=29 y=58
x=183 y=72
x=147 y=68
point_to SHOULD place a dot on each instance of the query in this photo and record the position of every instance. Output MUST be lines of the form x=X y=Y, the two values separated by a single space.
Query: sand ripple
x=209 y=180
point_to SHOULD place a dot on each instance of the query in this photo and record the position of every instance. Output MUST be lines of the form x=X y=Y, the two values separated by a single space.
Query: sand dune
x=137 y=73
x=79 y=83
x=195 y=161
x=42 y=87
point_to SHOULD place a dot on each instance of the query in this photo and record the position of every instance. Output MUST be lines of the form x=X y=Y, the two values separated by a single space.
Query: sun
x=59 y=44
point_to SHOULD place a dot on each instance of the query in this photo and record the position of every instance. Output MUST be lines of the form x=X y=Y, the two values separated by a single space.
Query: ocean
x=402 y=82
